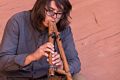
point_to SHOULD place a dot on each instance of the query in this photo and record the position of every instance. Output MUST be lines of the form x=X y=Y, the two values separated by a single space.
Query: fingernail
x=52 y=59
x=53 y=62
x=53 y=52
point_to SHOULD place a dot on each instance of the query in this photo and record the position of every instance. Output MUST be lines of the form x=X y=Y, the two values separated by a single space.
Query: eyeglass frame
x=51 y=13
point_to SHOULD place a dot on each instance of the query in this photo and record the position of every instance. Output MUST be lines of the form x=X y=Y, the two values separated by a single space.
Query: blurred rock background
x=96 y=31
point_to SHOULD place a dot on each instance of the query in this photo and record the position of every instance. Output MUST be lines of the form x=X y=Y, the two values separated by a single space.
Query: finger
x=56 y=61
x=47 y=45
x=55 y=57
x=49 y=50
x=58 y=64
x=55 y=54
x=50 y=45
x=46 y=54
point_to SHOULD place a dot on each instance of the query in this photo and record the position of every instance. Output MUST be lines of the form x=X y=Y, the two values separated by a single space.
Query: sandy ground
x=96 y=31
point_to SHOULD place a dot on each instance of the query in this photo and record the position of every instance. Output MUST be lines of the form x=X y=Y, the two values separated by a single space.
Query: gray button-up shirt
x=21 y=39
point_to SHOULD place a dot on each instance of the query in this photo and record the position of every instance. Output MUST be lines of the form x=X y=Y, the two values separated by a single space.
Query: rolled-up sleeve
x=9 y=59
x=70 y=51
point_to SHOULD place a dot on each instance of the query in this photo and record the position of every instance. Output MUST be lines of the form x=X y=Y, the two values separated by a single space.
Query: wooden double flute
x=54 y=35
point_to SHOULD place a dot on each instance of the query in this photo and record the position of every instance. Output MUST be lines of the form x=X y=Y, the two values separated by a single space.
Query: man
x=24 y=47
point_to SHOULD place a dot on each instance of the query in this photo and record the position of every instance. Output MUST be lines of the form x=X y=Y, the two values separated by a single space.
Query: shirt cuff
x=20 y=59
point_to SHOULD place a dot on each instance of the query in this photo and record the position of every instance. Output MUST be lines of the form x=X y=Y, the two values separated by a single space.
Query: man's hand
x=40 y=52
x=56 y=60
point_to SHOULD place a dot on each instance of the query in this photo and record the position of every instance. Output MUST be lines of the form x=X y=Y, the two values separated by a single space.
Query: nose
x=54 y=16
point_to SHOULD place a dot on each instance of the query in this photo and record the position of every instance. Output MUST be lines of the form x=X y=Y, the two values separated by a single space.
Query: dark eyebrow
x=51 y=8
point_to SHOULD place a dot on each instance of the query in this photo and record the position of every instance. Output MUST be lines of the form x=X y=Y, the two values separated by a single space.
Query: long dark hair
x=38 y=13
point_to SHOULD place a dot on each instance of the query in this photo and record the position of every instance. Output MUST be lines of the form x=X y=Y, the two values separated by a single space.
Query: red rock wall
x=96 y=29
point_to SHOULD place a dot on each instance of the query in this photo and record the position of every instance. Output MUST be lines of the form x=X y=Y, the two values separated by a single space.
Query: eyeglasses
x=51 y=13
